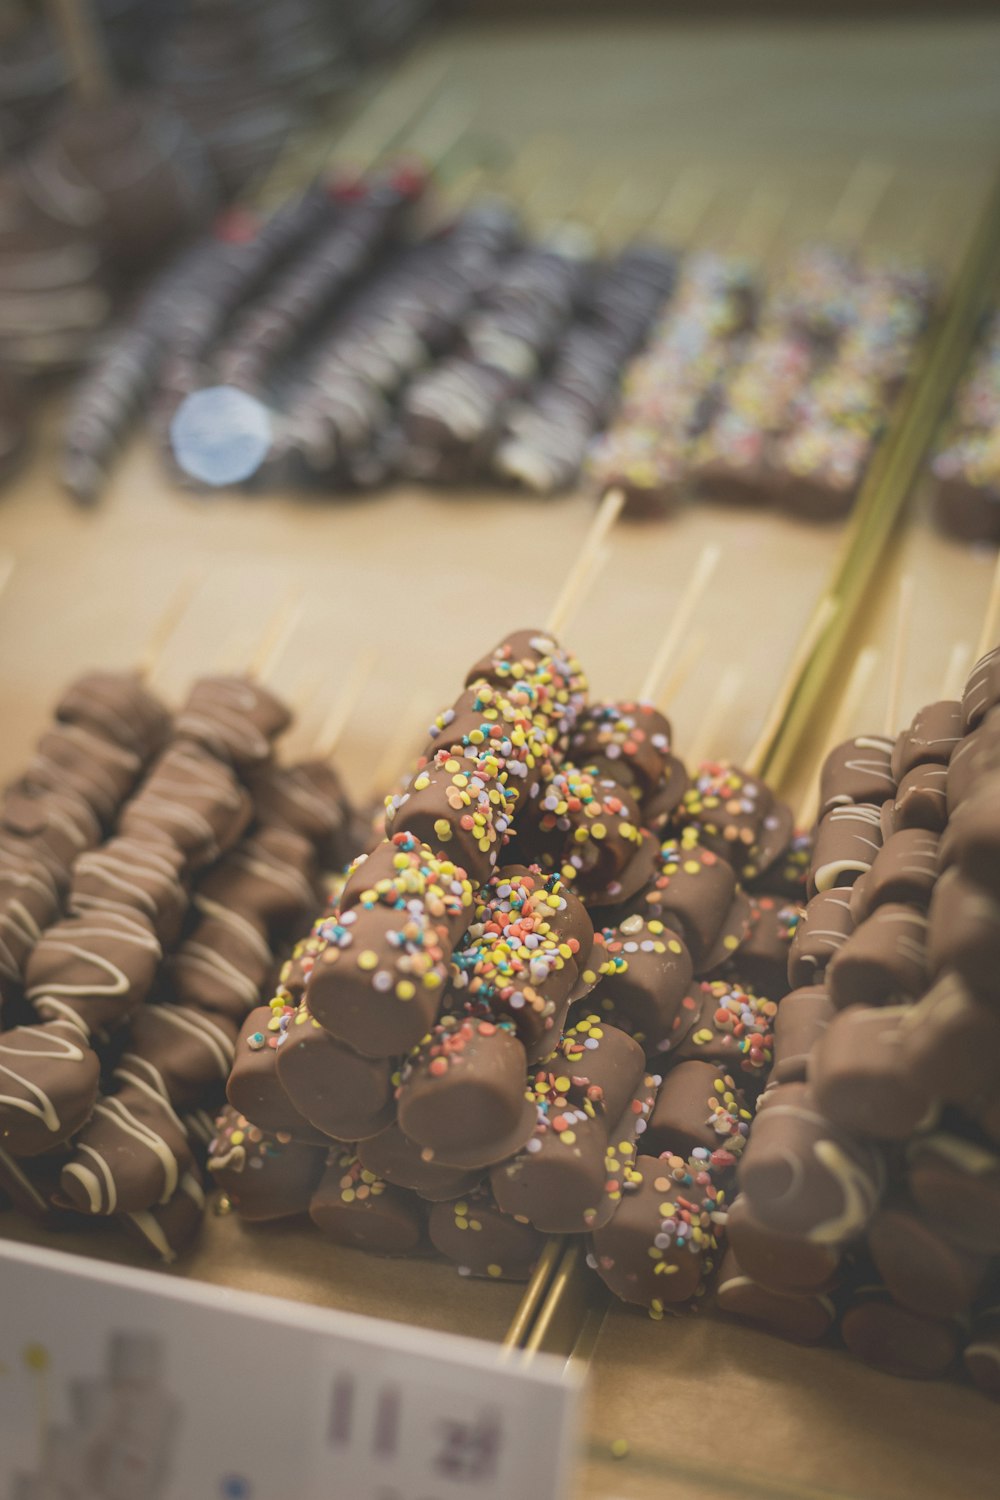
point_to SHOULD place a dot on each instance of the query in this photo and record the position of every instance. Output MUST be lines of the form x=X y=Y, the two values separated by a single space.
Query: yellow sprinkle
x=619 y=1448
x=406 y=989
x=367 y=959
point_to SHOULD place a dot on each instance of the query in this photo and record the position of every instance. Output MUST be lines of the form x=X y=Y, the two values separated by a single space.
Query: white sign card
x=118 y=1384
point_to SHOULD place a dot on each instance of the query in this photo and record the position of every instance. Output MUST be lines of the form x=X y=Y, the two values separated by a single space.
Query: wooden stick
x=904 y=610
x=685 y=206
x=8 y=562
x=687 y=658
x=991 y=619
x=273 y=644
x=810 y=639
x=857 y=684
x=696 y=585
x=346 y=701
x=152 y=653
x=83 y=44
x=715 y=715
x=574 y=585
x=859 y=202
x=957 y=670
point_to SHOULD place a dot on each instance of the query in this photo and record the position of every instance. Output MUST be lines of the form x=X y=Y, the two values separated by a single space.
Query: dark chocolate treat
x=884 y=961
x=698 y=1106
x=340 y=1093
x=972 y=838
x=805 y=1177
x=70 y=757
x=905 y=870
x=185 y=1054
x=659 y=807
x=663 y=1241
x=982 y=1352
x=588 y=828
x=169 y=1229
x=49 y=1082
x=861 y=1080
x=693 y=891
x=223 y=966
x=628 y=741
x=118 y=706
x=734 y=1030
x=132 y=1154
x=964 y=1175
x=194 y=801
x=762 y=958
x=982 y=690
x=457 y=805
x=642 y=972
x=921 y=798
x=803 y=1318
x=462 y=1093
x=847 y=841
x=921 y=1267
x=483 y=1241
x=352 y=1206
x=782 y=1262
x=31 y=1184
x=963 y=931
x=124 y=876
x=270 y=877
x=234 y=718
x=29 y=901
x=787 y=875
x=859 y=770
x=308 y=798
x=394 y=1157
x=254 y=1088
x=777 y=830
x=951 y=1041
x=822 y=932
x=729 y=940
x=896 y=1340
x=378 y=982
x=263 y=1176
x=986 y=1114
x=93 y=970
x=930 y=739
x=802 y=1018
x=50 y=827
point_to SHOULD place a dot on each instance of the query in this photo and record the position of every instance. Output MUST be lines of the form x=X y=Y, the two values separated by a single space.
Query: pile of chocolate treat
x=966 y=466
x=153 y=871
x=540 y=989
x=870 y=1186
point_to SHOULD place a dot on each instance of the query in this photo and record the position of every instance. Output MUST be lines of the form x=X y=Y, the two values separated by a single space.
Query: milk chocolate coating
x=734 y=1030
x=50 y=827
x=982 y=1353
x=972 y=838
x=782 y=1262
x=861 y=1080
x=847 y=841
x=31 y=1182
x=693 y=891
x=70 y=757
x=774 y=842
x=648 y=1253
x=132 y=1154
x=509 y=723
x=352 y=1206
x=457 y=805
x=943 y=1168
x=921 y=799
x=340 y=1093
x=762 y=958
x=727 y=807
x=698 y=1106
x=194 y=801
x=905 y=870
x=29 y=901
x=263 y=1176
x=49 y=1082
x=803 y=1176
x=555 y=1184
x=660 y=805
x=643 y=972
x=557 y=675
x=951 y=1041
x=124 y=876
x=234 y=718
x=92 y=970
x=167 y=1230
x=982 y=690
x=802 y=1018
x=921 y=1268
x=803 y=1318
x=589 y=829
x=963 y=931
x=404 y=874
x=394 y=1157
x=377 y=984
x=118 y=706
x=223 y=966
x=483 y=1241
x=786 y=876
x=185 y=1054
x=270 y=876
x=930 y=739
x=825 y=927
x=254 y=1088
x=883 y=961
x=977 y=753
x=461 y=1093
x=308 y=798
x=859 y=770
x=729 y=939
x=896 y=1340
x=627 y=741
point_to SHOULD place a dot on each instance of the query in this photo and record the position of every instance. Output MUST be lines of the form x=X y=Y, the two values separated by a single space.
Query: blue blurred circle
x=235 y=1487
x=221 y=435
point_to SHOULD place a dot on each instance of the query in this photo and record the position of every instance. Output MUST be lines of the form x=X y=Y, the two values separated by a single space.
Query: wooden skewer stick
x=84 y=47
x=8 y=562
x=991 y=619
x=333 y=726
x=713 y=719
x=574 y=585
x=685 y=207
x=857 y=685
x=273 y=644
x=859 y=202
x=152 y=653
x=957 y=670
x=696 y=585
x=687 y=658
x=904 y=610
x=810 y=639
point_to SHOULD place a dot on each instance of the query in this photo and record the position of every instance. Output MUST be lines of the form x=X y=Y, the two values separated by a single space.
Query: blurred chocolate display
x=966 y=466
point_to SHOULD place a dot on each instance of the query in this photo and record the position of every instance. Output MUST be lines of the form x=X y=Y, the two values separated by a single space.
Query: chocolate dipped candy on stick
x=782 y=1262
x=483 y=1241
x=352 y=1206
x=393 y=1156
x=642 y=974
x=49 y=1082
x=263 y=1176
x=801 y=1317
x=895 y=1339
